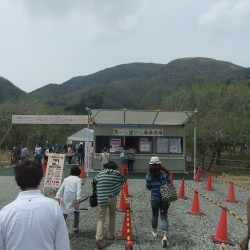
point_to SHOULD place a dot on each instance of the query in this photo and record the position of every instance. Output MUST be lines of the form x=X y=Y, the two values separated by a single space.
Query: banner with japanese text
x=54 y=170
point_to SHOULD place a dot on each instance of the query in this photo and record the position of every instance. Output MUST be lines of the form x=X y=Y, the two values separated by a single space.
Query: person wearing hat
x=156 y=176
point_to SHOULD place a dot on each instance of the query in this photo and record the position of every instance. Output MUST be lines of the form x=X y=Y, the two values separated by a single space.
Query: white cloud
x=94 y=17
x=226 y=16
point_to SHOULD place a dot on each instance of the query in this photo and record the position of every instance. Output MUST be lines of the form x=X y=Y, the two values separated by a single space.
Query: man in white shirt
x=32 y=221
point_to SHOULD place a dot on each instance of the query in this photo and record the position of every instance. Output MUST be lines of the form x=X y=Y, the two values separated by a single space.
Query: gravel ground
x=186 y=231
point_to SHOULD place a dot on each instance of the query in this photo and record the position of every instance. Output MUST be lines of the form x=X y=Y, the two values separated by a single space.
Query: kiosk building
x=150 y=133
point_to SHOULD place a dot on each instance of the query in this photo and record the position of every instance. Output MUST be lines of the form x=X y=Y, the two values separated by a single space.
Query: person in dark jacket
x=156 y=176
x=80 y=152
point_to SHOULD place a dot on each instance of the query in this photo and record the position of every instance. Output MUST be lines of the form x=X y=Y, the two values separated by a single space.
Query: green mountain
x=8 y=90
x=135 y=85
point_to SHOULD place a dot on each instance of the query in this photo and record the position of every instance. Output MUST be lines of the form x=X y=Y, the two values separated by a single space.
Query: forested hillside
x=118 y=87
x=219 y=90
x=8 y=90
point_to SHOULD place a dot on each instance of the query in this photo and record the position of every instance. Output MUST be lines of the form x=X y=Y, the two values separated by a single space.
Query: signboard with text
x=88 y=156
x=145 y=145
x=138 y=132
x=54 y=170
x=49 y=119
x=115 y=143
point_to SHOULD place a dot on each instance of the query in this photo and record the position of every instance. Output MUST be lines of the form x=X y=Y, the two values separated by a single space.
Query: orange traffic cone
x=122 y=206
x=125 y=186
x=126 y=232
x=44 y=166
x=221 y=233
x=122 y=169
x=181 y=193
x=171 y=176
x=82 y=174
x=231 y=195
x=198 y=175
x=209 y=183
x=196 y=206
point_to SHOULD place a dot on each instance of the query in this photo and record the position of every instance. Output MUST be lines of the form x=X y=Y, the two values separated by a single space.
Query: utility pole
x=195 y=123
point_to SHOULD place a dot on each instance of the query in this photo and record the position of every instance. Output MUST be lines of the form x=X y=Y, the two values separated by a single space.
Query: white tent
x=82 y=135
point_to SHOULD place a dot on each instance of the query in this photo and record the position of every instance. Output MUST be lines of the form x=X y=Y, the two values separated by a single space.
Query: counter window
x=142 y=145
x=107 y=141
x=168 y=145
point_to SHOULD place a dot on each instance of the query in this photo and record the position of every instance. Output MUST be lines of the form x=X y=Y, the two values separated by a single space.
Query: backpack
x=122 y=154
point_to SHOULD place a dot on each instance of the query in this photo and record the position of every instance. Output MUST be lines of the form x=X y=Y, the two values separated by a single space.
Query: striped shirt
x=108 y=184
x=154 y=185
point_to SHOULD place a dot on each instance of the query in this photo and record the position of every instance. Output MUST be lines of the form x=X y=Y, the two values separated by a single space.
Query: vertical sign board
x=88 y=156
x=54 y=170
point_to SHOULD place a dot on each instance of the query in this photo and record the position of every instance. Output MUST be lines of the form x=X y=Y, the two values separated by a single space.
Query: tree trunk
x=218 y=156
x=211 y=162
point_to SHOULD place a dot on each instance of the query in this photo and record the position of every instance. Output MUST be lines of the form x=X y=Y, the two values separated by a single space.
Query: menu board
x=145 y=145
x=54 y=170
x=115 y=144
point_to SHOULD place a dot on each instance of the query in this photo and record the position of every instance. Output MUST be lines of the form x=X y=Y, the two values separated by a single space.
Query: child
x=69 y=194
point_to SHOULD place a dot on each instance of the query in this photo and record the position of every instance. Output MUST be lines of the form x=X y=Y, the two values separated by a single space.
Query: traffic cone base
x=196 y=213
x=216 y=241
x=228 y=200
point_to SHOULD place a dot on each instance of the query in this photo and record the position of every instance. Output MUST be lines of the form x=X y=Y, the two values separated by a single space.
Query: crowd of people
x=32 y=215
x=41 y=152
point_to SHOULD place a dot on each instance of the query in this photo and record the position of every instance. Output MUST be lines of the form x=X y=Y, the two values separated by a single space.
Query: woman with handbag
x=156 y=176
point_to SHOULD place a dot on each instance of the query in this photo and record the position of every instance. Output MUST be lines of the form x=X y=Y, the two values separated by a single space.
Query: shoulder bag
x=168 y=192
x=93 y=200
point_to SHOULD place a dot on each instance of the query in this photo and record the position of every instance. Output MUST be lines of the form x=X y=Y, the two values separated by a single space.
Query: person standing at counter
x=124 y=156
x=104 y=157
x=131 y=159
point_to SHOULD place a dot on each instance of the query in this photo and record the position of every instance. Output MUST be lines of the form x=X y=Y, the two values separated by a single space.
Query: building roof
x=139 y=117
x=82 y=135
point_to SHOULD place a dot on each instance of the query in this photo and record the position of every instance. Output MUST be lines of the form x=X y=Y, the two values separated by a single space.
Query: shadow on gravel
x=177 y=176
x=181 y=240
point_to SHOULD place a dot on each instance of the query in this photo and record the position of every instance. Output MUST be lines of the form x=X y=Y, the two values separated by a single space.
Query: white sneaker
x=154 y=234
x=164 y=242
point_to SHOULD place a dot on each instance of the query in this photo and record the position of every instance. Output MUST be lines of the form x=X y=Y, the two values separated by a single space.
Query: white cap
x=155 y=160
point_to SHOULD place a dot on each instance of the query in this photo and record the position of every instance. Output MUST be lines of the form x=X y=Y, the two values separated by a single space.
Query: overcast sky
x=51 y=41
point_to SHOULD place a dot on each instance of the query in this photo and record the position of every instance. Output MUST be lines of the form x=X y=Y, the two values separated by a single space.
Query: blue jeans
x=158 y=206
x=76 y=219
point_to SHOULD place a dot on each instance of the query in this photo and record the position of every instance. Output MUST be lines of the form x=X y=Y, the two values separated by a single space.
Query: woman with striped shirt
x=156 y=176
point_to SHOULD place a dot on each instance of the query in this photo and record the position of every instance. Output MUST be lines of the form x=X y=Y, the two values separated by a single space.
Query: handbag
x=93 y=200
x=168 y=192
